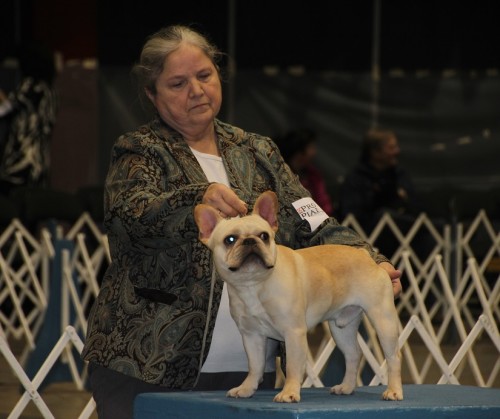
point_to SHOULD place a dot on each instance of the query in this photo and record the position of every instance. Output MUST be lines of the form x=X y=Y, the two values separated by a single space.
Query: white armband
x=310 y=211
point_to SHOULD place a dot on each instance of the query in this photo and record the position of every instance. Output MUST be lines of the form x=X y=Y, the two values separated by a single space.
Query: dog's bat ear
x=266 y=206
x=206 y=218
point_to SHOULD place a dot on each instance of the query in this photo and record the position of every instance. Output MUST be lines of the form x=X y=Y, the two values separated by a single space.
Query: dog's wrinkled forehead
x=245 y=226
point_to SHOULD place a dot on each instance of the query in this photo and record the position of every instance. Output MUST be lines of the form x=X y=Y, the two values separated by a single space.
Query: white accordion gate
x=448 y=290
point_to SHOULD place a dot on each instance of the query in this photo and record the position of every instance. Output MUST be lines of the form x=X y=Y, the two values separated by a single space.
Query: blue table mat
x=420 y=401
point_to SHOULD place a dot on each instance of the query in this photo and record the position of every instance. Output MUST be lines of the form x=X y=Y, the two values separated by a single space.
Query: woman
x=161 y=321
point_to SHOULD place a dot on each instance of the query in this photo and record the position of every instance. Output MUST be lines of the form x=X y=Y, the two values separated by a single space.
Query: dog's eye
x=230 y=240
x=264 y=236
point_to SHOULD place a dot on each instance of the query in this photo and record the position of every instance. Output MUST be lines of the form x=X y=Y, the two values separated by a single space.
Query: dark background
x=439 y=86
x=316 y=33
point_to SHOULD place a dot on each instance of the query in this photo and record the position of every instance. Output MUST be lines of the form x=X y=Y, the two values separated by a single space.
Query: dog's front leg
x=255 y=348
x=296 y=357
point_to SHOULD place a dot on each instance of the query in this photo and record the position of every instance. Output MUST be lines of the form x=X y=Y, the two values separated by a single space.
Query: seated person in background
x=298 y=148
x=27 y=116
x=377 y=184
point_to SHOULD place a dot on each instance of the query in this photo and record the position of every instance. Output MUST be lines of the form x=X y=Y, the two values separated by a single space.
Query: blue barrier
x=50 y=332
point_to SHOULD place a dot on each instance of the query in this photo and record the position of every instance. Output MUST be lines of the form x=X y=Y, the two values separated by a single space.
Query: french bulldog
x=280 y=293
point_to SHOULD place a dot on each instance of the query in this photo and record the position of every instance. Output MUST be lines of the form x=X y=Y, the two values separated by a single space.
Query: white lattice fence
x=480 y=242
x=63 y=347
x=433 y=302
x=429 y=239
x=80 y=270
x=481 y=225
x=24 y=276
x=79 y=285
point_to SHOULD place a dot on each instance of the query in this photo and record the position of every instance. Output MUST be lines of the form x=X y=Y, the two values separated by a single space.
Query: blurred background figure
x=378 y=184
x=299 y=148
x=27 y=117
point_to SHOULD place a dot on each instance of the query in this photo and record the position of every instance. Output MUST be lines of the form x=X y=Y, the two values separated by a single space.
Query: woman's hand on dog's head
x=224 y=200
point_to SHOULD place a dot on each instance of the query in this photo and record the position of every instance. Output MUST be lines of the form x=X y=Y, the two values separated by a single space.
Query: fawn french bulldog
x=279 y=293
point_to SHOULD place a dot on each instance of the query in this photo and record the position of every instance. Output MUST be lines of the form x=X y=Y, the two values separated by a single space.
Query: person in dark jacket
x=299 y=149
x=378 y=184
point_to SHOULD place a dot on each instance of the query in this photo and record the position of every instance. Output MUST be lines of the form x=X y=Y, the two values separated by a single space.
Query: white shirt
x=226 y=351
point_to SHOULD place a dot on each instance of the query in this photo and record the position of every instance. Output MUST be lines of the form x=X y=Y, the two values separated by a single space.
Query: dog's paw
x=241 y=391
x=342 y=389
x=390 y=394
x=287 y=397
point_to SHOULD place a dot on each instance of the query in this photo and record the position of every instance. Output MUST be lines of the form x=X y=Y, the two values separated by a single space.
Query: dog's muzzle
x=249 y=242
x=249 y=253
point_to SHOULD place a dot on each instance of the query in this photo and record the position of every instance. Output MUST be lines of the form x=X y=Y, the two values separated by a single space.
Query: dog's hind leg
x=385 y=322
x=346 y=339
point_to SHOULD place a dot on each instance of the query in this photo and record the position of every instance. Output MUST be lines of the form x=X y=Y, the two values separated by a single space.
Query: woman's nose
x=196 y=88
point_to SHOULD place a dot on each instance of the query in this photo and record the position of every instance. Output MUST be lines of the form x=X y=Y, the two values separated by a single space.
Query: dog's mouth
x=251 y=261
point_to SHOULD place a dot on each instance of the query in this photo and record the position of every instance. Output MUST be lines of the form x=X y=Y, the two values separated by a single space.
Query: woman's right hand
x=224 y=200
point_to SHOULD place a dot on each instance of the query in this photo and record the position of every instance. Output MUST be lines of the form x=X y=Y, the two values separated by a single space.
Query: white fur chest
x=250 y=314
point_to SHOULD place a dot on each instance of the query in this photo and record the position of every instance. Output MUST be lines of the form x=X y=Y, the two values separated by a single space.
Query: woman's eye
x=176 y=84
x=230 y=240
x=264 y=236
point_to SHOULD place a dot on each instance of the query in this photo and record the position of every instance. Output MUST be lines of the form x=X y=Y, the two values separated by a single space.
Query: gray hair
x=160 y=45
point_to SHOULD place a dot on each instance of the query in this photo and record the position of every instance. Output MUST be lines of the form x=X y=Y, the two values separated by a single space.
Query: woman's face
x=188 y=91
x=388 y=154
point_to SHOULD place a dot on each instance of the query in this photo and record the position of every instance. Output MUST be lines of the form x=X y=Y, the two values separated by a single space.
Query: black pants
x=114 y=393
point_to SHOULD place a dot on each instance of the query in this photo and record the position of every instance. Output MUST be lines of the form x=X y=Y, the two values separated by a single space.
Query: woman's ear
x=150 y=95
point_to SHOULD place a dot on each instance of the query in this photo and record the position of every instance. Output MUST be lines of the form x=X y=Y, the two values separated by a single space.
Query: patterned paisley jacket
x=155 y=313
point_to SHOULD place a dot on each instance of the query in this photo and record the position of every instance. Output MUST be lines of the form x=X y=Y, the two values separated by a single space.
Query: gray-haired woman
x=161 y=321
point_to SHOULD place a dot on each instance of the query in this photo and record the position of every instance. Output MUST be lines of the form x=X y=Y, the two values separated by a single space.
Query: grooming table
x=420 y=401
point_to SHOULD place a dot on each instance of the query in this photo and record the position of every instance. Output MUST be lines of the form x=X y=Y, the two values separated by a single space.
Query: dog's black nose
x=249 y=242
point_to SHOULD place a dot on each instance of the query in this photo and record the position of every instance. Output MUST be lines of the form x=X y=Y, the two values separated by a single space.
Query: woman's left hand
x=395 y=276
